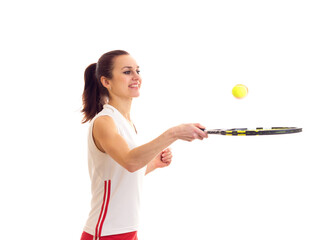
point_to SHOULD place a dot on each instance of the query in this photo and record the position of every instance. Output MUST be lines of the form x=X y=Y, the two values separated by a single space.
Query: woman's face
x=126 y=80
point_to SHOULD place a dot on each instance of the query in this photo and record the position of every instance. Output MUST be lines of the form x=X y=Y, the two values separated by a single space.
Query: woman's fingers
x=190 y=132
x=166 y=155
x=198 y=125
x=201 y=134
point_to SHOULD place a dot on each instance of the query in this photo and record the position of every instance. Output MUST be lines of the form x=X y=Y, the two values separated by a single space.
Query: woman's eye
x=129 y=72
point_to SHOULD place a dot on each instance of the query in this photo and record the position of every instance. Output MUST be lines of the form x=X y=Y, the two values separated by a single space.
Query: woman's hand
x=189 y=132
x=163 y=159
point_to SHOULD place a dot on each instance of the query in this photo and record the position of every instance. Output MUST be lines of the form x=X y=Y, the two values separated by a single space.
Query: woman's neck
x=123 y=106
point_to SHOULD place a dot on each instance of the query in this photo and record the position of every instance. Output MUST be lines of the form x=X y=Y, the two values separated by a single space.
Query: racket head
x=254 y=132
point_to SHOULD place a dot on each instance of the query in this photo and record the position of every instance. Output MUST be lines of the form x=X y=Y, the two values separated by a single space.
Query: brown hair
x=95 y=94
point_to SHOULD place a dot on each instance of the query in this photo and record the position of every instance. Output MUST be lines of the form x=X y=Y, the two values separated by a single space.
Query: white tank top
x=115 y=191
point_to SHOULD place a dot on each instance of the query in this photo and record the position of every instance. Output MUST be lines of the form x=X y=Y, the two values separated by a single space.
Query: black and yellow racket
x=253 y=132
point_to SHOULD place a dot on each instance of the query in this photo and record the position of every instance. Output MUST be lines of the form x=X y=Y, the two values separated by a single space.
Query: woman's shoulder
x=104 y=123
x=103 y=114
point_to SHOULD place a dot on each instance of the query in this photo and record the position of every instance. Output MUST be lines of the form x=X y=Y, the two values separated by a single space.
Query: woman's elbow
x=132 y=168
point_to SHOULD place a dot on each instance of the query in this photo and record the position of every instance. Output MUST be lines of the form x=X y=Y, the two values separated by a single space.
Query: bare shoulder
x=104 y=130
x=104 y=120
x=104 y=125
x=108 y=140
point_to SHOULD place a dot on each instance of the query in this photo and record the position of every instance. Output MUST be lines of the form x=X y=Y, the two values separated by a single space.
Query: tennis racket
x=253 y=132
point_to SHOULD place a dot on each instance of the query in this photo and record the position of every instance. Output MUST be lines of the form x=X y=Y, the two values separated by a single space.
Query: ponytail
x=91 y=93
x=95 y=95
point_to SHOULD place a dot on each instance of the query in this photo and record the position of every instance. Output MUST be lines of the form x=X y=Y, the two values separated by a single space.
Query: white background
x=191 y=54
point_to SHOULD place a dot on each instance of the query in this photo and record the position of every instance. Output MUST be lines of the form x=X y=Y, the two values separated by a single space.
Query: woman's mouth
x=134 y=85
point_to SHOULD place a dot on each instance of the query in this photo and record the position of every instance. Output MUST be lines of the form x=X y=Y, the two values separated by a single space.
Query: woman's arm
x=109 y=141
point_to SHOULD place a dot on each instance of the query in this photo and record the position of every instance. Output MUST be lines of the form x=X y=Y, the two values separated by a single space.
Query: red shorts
x=123 y=236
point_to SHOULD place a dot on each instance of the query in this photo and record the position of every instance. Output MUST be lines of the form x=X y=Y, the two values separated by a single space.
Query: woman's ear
x=105 y=82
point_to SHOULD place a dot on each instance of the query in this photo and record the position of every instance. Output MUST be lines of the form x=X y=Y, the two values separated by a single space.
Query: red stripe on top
x=106 y=208
x=105 y=198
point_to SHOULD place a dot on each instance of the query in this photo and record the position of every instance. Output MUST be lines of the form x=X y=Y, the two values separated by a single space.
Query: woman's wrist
x=172 y=132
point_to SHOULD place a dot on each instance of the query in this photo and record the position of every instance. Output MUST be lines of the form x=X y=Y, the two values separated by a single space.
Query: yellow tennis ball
x=239 y=91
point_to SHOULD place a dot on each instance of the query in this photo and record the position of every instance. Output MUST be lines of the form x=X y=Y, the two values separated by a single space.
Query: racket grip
x=202 y=129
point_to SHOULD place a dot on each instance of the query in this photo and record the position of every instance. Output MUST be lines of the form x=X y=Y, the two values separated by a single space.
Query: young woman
x=116 y=163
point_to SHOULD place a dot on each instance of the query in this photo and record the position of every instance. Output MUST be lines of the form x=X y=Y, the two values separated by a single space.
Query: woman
x=116 y=163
